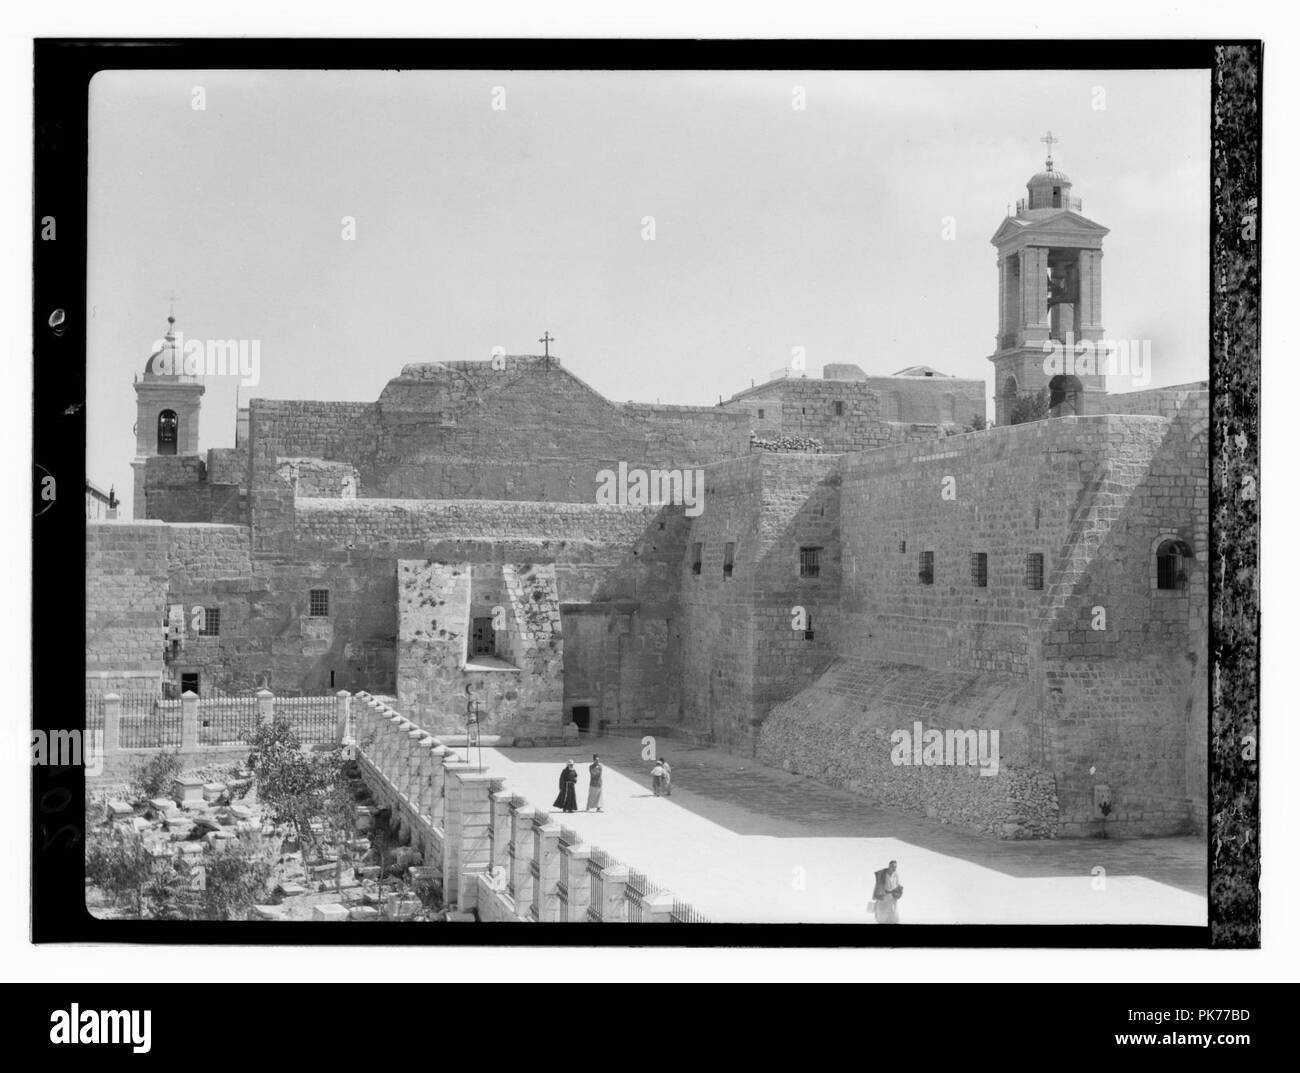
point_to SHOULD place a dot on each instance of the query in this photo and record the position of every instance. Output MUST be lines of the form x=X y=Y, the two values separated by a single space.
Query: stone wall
x=126 y=598
x=841 y=732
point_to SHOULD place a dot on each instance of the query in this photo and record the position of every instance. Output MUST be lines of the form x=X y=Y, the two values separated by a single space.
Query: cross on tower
x=1050 y=141
x=546 y=340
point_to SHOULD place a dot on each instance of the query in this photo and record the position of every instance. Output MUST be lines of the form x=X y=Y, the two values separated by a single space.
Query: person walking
x=657 y=773
x=668 y=777
x=885 y=897
x=568 y=796
x=596 y=772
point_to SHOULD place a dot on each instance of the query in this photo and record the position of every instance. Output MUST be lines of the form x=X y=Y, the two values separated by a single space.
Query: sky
x=856 y=227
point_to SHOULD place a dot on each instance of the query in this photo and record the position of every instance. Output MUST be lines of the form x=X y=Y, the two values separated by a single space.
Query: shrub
x=1029 y=408
x=153 y=777
x=299 y=788
x=118 y=864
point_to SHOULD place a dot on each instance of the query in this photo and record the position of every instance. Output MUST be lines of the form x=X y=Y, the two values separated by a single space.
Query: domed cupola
x=1050 y=189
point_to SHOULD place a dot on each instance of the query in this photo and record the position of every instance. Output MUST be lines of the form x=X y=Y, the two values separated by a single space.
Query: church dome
x=1050 y=178
x=164 y=360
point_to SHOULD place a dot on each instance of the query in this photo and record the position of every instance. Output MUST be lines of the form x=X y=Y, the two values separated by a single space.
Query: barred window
x=902 y=547
x=1034 y=570
x=1173 y=565
x=810 y=562
x=729 y=558
x=839 y=408
x=320 y=603
x=697 y=557
x=808 y=634
x=926 y=573
x=979 y=569
x=211 y=622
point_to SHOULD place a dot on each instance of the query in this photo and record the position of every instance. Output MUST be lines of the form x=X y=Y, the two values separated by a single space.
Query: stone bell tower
x=1049 y=299
x=166 y=410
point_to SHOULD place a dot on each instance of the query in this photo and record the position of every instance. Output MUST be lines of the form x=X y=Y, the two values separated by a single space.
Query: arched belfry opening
x=168 y=425
x=1065 y=396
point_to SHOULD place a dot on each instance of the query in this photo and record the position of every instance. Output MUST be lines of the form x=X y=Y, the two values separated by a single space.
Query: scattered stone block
x=332 y=911
x=368 y=871
x=289 y=888
x=365 y=818
x=240 y=812
x=119 y=810
x=268 y=912
x=165 y=805
x=214 y=791
x=141 y=824
x=191 y=849
x=454 y=917
x=397 y=907
x=182 y=833
x=187 y=791
x=363 y=912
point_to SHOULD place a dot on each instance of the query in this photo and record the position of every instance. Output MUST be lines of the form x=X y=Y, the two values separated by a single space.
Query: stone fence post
x=577 y=883
x=189 y=721
x=546 y=871
x=659 y=909
x=614 y=890
x=521 y=856
x=343 y=717
x=112 y=724
x=468 y=815
x=266 y=705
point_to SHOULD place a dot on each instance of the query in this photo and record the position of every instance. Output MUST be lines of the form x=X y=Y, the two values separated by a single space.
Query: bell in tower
x=1049 y=298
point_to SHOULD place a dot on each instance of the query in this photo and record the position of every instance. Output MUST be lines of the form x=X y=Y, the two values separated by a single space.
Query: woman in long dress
x=568 y=796
x=594 y=788
x=888 y=890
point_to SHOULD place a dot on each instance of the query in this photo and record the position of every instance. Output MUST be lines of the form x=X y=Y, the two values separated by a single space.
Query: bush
x=153 y=777
x=118 y=864
x=1029 y=408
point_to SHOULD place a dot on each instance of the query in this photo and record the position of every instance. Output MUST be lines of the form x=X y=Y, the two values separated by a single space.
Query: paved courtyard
x=747 y=843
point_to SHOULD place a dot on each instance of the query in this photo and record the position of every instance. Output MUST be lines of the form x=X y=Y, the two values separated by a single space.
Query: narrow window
x=1034 y=570
x=483 y=638
x=1173 y=565
x=760 y=413
x=167 y=426
x=902 y=547
x=190 y=683
x=979 y=569
x=808 y=634
x=697 y=557
x=729 y=558
x=839 y=409
x=320 y=603
x=211 y=622
x=810 y=562
x=926 y=573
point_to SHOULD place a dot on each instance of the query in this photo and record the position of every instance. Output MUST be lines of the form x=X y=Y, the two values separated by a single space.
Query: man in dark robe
x=568 y=796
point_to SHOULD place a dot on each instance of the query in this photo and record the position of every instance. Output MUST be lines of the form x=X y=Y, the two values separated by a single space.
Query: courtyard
x=751 y=844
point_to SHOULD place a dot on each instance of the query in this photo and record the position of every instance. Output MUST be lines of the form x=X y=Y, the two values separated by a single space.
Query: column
x=189 y=721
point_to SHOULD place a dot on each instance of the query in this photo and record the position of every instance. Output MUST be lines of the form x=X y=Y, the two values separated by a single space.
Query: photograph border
x=62 y=74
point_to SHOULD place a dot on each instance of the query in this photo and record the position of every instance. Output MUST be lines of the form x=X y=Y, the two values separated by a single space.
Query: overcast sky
x=477 y=227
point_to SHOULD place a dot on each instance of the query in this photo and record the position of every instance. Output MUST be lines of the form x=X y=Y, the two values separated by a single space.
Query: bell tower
x=166 y=410
x=1049 y=299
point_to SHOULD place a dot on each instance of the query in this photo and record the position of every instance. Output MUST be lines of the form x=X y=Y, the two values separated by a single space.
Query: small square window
x=1034 y=570
x=810 y=562
x=979 y=569
x=697 y=558
x=926 y=573
x=211 y=622
x=320 y=603
x=729 y=558
x=760 y=413
x=902 y=547
x=839 y=409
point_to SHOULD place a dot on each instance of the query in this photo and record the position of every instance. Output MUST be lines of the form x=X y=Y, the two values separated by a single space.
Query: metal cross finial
x=1050 y=141
x=546 y=340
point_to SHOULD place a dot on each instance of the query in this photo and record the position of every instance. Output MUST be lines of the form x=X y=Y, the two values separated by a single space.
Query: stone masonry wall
x=126 y=595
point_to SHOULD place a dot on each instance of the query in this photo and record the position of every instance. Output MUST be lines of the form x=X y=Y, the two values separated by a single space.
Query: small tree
x=1029 y=408
x=300 y=788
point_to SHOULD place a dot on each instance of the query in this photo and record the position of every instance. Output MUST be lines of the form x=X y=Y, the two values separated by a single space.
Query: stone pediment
x=1051 y=225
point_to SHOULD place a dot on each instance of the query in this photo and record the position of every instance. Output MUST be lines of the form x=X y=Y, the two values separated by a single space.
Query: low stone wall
x=496 y=856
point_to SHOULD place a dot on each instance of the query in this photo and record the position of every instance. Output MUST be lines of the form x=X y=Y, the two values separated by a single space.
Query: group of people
x=567 y=799
x=568 y=796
